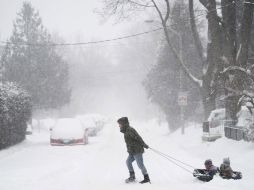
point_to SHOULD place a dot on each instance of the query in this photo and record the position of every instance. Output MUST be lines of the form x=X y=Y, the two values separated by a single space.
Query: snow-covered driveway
x=35 y=165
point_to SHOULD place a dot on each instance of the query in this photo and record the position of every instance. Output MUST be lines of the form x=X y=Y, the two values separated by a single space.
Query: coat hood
x=123 y=121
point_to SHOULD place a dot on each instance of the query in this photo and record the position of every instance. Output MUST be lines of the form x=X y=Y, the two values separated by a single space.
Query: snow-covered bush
x=15 y=112
x=245 y=118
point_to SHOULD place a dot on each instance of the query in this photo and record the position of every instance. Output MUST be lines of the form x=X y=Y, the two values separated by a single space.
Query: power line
x=94 y=42
x=86 y=43
x=107 y=40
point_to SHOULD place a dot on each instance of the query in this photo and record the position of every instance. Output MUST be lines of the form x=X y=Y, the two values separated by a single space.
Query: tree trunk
x=195 y=33
x=173 y=123
x=229 y=26
x=214 y=65
x=229 y=51
x=208 y=95
x=245 y=32
x=209 y=103
x=239 y=80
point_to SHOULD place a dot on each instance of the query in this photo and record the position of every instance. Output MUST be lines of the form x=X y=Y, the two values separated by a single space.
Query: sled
x=202 y=175
x=236 y=175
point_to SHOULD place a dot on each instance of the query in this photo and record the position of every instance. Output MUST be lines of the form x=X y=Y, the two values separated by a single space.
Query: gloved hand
x=146 y=146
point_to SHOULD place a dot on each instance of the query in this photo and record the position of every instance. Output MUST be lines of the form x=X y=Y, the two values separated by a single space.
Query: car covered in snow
x=217 y=117
x=68 y=131
x=93 y=123
x=213 y=127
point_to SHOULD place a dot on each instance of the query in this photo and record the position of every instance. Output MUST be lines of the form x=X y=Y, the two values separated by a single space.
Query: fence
x=212 y=130
x=228 y=128
x=232 y=131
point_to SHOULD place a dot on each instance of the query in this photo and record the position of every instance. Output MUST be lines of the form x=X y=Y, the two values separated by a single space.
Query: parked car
x=68 y=131
x=93 y=123
x=217 y=117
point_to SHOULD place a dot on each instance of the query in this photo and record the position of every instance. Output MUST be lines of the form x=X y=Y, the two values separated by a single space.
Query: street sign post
x=182 y=101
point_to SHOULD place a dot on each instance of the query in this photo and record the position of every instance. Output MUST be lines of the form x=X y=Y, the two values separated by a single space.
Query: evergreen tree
x=31 y=61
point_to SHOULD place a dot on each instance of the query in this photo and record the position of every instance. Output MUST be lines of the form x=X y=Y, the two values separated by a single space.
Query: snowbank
x=35 y=164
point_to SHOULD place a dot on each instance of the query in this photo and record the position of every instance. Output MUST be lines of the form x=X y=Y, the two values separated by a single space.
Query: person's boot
x=146 y=179
x=131 y=179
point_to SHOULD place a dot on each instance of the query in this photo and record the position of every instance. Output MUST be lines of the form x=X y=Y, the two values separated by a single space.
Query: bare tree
x=229 y=51
x=163 y=11
x=220 y=30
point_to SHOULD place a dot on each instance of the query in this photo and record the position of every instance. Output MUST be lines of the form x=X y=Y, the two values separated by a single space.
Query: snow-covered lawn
x=35 y=165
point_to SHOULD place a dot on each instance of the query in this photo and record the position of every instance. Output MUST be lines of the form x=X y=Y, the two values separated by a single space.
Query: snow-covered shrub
x=245 y=118
x=15 y=112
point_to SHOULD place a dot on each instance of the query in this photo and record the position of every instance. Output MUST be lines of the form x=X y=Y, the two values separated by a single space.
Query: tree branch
x=139 y=4
x=168 y=11
x=236 y=68
x=159 y=12
x=245 y=32
x=240 y=93
x=205 y=3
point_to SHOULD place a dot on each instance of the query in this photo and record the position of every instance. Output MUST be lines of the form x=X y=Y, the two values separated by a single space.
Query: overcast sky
x=71 y=19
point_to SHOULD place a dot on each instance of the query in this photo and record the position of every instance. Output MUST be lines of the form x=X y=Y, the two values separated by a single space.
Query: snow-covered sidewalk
x=35 y=165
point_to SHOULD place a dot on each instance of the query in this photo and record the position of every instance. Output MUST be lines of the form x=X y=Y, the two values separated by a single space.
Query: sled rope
x=173 y=158
x=170 y=158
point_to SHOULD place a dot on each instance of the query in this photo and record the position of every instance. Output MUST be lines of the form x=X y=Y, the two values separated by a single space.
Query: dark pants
x=139 y=160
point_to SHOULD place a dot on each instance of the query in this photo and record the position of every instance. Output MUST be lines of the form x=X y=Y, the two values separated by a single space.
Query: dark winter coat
x=134 y=142
x=226 y=170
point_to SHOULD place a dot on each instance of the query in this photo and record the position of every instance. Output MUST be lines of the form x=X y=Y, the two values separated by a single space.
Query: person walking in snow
x=135 y=148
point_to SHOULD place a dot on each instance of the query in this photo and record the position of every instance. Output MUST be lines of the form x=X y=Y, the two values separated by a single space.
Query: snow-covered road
x=35 y=165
